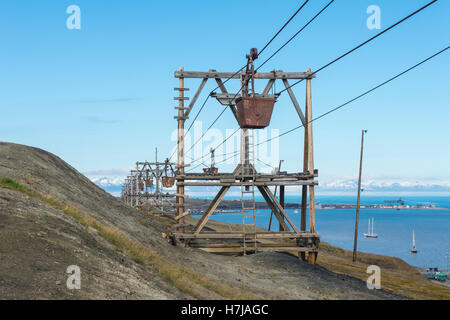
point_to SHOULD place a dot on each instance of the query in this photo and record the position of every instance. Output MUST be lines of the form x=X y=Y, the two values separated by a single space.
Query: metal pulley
x=212 y=169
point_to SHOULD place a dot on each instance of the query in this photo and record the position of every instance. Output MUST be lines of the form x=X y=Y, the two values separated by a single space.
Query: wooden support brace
x=224 y=90
x=281 y=209
x=294 y=101
x=197 y=94
x=279 y=217
x=212 y=207
x=182 y=215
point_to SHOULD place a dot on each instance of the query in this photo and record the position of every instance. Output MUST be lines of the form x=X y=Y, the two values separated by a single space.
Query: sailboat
x=414 y=250
x=370 y=233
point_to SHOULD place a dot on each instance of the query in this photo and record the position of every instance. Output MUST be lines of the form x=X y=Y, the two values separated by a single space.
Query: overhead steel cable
x=287 y=22
x=296 y=34
x=362 y=44
x=359 y=96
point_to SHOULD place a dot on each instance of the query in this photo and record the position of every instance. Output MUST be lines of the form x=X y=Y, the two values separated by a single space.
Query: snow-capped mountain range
x=385 y=185
x=113 y=185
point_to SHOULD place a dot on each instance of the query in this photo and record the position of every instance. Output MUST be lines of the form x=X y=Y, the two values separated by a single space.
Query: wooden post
x=180 y=162
x=312 y=204
x=304 y=188
x=282 y=204
x=359 y=194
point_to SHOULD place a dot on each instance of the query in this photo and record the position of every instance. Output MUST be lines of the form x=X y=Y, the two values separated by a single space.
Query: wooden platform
x=232 y=242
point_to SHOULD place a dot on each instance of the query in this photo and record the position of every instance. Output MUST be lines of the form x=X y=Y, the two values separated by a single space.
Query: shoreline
x=198 y=205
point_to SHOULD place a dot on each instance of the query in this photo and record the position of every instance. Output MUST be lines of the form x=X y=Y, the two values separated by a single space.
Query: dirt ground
x=38 y=242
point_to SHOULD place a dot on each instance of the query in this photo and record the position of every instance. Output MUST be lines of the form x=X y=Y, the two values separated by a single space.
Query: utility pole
x=359 y=195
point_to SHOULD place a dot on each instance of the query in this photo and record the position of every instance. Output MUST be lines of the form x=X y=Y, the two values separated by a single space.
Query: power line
x=364 y=43
x=359 y=96
x=287 y=22
x=296 y=34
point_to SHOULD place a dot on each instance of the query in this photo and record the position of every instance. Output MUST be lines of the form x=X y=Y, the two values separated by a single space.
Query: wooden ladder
x=248 y=196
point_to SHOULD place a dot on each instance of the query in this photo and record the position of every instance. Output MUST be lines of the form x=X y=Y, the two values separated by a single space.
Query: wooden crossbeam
x=238 y=183
x=240 y=235
x=231 y=75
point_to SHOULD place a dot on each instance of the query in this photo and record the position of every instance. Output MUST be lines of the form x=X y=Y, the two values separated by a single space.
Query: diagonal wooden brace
x=280 y=208
x=279 y=217
x=204 y=219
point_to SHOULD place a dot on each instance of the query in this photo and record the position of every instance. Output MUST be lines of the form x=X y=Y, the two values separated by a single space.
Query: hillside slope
x=54 y=217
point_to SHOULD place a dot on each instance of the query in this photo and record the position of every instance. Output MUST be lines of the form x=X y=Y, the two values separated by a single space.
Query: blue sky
x=102 y=97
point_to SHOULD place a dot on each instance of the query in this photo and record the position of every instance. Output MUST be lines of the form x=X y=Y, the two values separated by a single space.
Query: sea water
x=394 y=227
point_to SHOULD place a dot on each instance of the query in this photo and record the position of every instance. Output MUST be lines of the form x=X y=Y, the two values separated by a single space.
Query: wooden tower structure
x=250 y=239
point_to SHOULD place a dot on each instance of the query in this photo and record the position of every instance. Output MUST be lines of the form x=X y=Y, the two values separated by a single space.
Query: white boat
x=370 y=233
x=414 y=250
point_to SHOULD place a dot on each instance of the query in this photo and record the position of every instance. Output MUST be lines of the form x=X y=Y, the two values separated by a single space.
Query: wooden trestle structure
x=289 y=237
x=137 y=189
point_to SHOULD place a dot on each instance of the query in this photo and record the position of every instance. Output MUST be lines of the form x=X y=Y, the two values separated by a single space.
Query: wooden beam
x=260 y=75
x=281 y=197
x=269 y=86
x=212 y=207
x=182 y=215
x=249 y=249
x=237 y=184
x=180 y=149
x=197 y=94
x=237 y=176
x=283 y=225
x=224 y=91
x=240 y=234
x=312 y=205
x=294 y=101
x=277 y=204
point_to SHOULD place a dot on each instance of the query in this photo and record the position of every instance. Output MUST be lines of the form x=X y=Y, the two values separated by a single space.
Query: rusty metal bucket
x=168 y=182
x=148 y=183
x=254 y=112
x=211 y=170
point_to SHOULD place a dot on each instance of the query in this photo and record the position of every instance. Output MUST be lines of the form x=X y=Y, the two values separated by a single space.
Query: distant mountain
x=384 y=185
x=113 y=185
